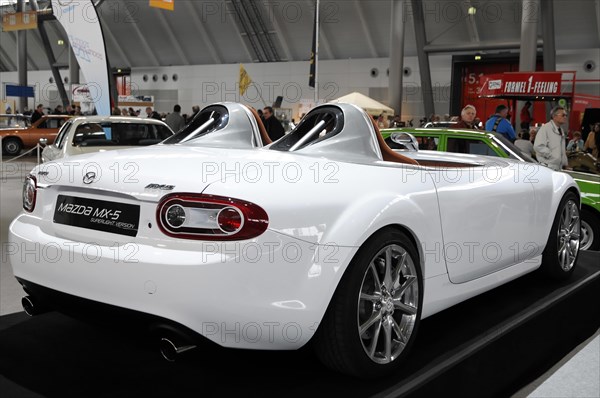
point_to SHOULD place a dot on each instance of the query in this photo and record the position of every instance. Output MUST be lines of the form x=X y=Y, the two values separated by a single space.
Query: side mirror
x=407 y=140
x=43 y=141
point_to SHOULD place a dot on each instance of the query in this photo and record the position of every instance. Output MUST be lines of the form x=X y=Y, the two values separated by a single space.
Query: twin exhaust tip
x=31 y=307
x=170 y=350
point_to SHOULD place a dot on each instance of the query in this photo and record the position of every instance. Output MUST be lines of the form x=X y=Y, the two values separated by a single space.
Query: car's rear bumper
x=269 y=293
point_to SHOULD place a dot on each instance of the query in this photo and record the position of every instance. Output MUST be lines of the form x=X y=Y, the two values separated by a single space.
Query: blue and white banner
x=80 y=20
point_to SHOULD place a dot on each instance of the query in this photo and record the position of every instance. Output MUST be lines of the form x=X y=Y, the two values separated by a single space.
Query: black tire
x=11 y=146
x=558 y=258
x=338 y=342
x=590 y=228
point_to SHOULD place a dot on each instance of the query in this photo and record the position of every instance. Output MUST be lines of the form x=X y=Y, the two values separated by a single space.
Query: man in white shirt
x=550 y=142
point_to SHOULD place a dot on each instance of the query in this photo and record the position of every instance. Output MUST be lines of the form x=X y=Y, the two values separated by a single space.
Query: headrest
x=266 y=140
x=388 y=154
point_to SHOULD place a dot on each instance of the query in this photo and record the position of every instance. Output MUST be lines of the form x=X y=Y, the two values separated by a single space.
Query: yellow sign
x=245 y=80
x=19 y=21
x=164 y=4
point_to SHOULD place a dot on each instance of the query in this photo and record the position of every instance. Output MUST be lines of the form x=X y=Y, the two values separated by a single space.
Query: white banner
x=80 y=21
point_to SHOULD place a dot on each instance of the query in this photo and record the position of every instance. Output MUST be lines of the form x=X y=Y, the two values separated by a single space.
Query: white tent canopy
x=368 y=104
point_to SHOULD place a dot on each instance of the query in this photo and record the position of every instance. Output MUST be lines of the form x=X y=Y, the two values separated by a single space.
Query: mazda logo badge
x=88 y=178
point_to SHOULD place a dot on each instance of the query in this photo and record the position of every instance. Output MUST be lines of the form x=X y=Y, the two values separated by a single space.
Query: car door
x=486 y=213
x=473 y=146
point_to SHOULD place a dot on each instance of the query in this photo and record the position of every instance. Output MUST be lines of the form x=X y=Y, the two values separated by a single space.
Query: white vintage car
x=326 y=235
x=104 y=133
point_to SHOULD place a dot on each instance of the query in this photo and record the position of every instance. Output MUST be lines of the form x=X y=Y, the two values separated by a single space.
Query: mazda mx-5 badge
x=88 y=178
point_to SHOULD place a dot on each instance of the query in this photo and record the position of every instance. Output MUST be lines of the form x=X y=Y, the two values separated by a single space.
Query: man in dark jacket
x=272 y=125
x=467 y=118
x=152 y=114
x=37 y=114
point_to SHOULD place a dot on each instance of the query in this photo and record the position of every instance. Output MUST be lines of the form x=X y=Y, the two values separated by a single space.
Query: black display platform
x=491 y=345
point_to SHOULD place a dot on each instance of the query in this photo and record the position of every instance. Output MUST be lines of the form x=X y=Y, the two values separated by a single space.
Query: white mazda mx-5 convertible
x=326 y=235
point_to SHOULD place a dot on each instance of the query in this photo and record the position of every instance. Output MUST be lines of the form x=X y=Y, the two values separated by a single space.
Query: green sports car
x=586 y=171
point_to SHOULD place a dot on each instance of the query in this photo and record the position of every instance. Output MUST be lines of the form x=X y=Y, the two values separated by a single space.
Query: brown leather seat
x=388 y=154
x=266 y=140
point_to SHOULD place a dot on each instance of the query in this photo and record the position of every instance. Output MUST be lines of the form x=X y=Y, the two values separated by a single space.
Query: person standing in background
x=524 y=143
x=526 y=116
x=576 y=144
x=175 y=120
x=498 y=123
x=37 y=114
x=467 y=118
x=591 y=144
x=152 y=114
x=195 y=111
x=550 y=140
x=272 y=125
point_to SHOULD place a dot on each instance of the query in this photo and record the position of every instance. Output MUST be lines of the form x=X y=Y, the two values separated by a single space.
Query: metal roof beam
x=169 y=31
x=252 y=29
x=7 y=60
x=204 y=33
x=30 y=60
x=482 y=46
x=52 y=61
x=284 y=38
x=34 y=35
x=143 y=40
x=108 y=33
x=360 y=11
x=265 y=32
x=243 y=31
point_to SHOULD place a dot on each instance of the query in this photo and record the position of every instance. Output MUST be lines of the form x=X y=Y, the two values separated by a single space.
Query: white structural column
x=598 y=17
x=531 y=14
x=424 y=70
x=549 y=42
x=22 y=58
x=397 y=54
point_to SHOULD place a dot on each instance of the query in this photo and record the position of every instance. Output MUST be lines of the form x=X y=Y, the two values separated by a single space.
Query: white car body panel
x=271 y=292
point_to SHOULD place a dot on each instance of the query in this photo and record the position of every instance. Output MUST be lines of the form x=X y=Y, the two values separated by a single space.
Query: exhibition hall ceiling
x=201 y=32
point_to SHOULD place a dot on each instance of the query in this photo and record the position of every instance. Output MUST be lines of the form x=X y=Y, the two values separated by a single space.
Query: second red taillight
x=29 y=193
x=209 y=217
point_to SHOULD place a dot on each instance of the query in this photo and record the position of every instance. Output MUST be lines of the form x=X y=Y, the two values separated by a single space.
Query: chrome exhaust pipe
x=31 y=307
x=169 y=350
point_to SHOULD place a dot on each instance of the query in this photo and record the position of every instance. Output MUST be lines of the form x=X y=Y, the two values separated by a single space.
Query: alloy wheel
x=388 y=304
x=587 y=236
x=568 y=235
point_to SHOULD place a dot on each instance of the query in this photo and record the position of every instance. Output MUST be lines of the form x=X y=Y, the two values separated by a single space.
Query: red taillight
x=230 y=220
x=208 y=217
x=29 y=193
